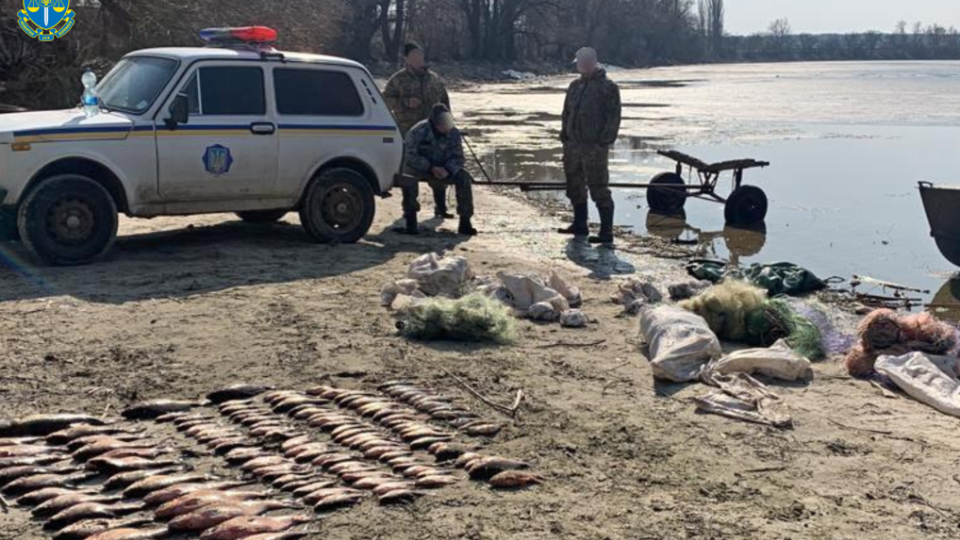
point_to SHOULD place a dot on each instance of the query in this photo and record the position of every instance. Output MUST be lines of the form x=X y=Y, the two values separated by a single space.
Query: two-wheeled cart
x=667 y=193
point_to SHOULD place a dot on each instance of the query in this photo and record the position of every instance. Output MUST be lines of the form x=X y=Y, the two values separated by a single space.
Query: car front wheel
x=68 y=220
x=339 y=207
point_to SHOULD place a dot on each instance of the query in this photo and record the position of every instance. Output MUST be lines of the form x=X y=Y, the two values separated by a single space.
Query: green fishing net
x=474 y=318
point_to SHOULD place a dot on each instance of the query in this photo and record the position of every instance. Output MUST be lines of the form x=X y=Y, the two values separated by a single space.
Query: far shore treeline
x=528 y=34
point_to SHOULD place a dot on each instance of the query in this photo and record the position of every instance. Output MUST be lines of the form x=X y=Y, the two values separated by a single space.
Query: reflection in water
x=946 y=303
x=739 y=242
x=602 y=262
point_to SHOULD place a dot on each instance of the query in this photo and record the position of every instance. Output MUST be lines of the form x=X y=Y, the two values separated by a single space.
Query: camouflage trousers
x=462 y=182
x=586 y=167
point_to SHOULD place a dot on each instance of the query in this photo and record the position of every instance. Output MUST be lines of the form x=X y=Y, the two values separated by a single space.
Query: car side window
x=227 y=91
x=316 y=92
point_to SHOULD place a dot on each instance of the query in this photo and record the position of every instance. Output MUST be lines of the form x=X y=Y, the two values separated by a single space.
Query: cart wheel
x=666 y=194
x=746 y=206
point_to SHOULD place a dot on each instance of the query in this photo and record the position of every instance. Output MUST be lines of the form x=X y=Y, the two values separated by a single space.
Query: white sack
x=437 y=276
x=680 y=343
x=778 y=362
x=926 y=378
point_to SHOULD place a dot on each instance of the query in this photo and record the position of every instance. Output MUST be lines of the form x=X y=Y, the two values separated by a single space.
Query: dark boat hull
x=942 y=205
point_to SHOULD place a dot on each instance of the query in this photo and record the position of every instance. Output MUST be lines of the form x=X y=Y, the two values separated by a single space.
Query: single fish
x=90 y=510
x=446 y=451
x=40 y=481
x=514 y=480
x=10 y=474
x=303 y=491
x=335 y=502
x=88 y=440
x=20 y=461
x=126 y=479
x=237 y=392
x=155 y=483
x=483 y=430
x=116 y=465
x=131 y=534
x=83 y=530
x=198 y=499
x=21 y=450
x=44 y=424
x=486 y=468
x=383 y=489
x=41 y=496
x=435 y=481
x=399 y=496
x=288 y=535
x=103 y=445
x=62 y=502
x=213 y=515
x=247 y=526
x=265 y=461
x=150 y=410
x=374 y=481
x=64 y=436
x=175 y=492
x=320 y=494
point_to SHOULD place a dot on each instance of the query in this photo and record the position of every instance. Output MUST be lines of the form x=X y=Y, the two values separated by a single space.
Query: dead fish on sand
x=211 y=516
x=126 y=479
x=514 y=480
x=488 y=467
x=150 y=410
x=62 y=502
x=156 y=483
x=91 y=510
x=64 y=436
x=131 y=534
x=247 y=526
x=237 y=392
x=175 y=492
x=110 y=465
x=40 y=481
x=41 y=496
x=85 y=529
x=199 y=499
x=45 y=424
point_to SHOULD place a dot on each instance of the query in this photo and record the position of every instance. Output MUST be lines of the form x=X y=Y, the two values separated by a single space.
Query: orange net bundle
x=886 y=332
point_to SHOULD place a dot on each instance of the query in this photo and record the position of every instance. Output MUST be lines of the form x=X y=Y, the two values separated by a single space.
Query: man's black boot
x=410 y=227
x=606 y=227
x=581 y=214
x=466 y=228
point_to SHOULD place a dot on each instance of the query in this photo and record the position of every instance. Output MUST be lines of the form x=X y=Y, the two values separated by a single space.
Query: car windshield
x=135 y=82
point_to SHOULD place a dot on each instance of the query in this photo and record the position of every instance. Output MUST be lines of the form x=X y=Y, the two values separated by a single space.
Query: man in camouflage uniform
x=434 y=151
x=591 y=123
x=410 y=94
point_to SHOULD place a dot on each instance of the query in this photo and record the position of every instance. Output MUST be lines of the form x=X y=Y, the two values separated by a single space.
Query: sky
x=824 y=16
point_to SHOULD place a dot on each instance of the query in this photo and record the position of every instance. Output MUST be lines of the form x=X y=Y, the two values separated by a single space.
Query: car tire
x=262 y=216
x=68 y=220
x=339 y=207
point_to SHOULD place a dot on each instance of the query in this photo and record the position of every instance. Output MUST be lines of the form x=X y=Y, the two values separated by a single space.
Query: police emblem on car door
x=217 y=160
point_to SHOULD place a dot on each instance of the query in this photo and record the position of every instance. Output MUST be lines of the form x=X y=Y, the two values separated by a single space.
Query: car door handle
x=263 y=129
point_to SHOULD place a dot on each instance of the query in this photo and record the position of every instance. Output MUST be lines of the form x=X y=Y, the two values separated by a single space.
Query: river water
x=848 y=143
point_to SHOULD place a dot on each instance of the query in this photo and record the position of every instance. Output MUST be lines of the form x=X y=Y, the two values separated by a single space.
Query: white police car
x=234 y=127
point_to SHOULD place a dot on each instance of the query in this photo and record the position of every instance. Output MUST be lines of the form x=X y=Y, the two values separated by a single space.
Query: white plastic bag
x=926 y=378
x=680 y=343
x=437 y=276
x=778 y=362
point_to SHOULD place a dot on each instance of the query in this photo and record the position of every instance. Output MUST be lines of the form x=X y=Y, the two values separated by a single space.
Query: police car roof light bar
x=246 y=35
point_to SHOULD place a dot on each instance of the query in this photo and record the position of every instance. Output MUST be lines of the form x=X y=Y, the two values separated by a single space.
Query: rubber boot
x=440 y=205
x=606 y=227
x=581 y=213
x=466 y=228
x=411 y=227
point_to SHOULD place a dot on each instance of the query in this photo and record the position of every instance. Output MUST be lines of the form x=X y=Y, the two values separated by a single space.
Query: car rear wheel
x=68 y=220
x=262 y=216
x=339 y=207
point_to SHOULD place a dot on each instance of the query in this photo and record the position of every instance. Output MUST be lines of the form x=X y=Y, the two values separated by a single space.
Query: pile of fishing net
x=475 y=317
x=740 y=312
x=885 y=332
x=441 y=298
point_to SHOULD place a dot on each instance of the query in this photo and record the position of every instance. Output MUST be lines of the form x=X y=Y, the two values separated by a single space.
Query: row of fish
x=411 y=427
x=87 y=482
x=440 y=408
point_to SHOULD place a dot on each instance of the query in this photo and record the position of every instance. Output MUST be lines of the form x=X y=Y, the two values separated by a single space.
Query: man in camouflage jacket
x=433 y=150
x=411 y=93
x=591 y=123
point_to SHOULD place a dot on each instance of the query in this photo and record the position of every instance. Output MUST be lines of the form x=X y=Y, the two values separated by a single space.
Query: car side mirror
x=179 y=111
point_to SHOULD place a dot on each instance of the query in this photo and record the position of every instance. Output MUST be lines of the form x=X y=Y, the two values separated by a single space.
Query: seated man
x=434 y=151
